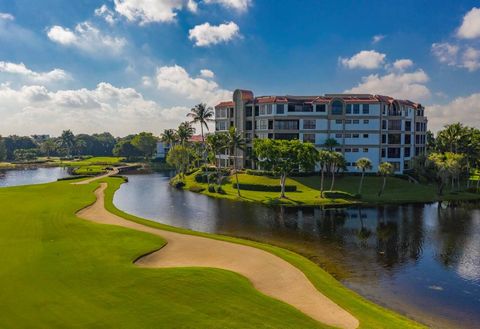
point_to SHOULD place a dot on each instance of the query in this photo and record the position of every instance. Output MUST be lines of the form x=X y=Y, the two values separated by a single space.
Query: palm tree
x=336 y=161
x=330 y=143
x=216 y=145
x=67 y=141
x=385 y=169
x=48 y=147
x=323 y=161
x=201 y=114
x=363 y=164
x=169 y=137
x=235 y=141
x=184 y=132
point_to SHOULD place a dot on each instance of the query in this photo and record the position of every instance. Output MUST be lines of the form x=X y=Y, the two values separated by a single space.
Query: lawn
x=93 y=166
x=346 y=187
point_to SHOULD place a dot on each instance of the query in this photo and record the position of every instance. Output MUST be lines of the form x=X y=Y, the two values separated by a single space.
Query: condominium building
x=380 y=128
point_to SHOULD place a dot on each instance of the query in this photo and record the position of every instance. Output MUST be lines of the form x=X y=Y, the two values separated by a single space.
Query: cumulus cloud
x=239 y=5
x=106 y=14
x=206 y=35
x=400 y=85
x=43 y=77
x=366 y=59
x=377 y=38
x=35 y=109
x=462 y=109
x=6 y=17
x=402 y=64
x=471 y=59
x=207 y=74
x=176 y=80
x=464 y=57
x=470 y=28
x=445 y=52
x=192 y=6
x=87 y=38
x=149 y=11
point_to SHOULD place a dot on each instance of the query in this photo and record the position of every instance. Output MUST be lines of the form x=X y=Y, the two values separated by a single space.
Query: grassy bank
x=369 y=314
x=59 y=271
x=92 y=166
x=345 y=191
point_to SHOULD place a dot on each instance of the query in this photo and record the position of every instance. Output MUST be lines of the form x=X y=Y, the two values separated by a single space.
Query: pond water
x=31 y=176
x=419 y=260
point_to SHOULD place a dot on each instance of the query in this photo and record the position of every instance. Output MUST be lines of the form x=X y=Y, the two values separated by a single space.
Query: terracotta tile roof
x=195 y=139
x=225 y=104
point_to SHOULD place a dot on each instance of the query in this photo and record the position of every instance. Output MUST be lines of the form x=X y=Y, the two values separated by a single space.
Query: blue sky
x=132 y=65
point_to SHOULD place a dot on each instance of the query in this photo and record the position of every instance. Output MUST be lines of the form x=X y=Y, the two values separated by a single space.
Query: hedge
x=265 y=188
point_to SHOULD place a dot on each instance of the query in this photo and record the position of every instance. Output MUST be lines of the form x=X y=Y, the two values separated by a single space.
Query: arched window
x=337 y=107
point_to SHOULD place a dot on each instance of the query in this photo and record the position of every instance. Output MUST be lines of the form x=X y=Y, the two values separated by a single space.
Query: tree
x=25 y=154
x=216 y=145
x=185 y=131
x=330 y=143
x=3 y=150
x=48 y=147
x=235 y=142
x=284 y=157
x=146 y=143
x=442 y=170
x=202 y=115
x=363 y=164
x=451 y=137
x=385 y=169
x=323 y=161
x=67 y=142
x=169 y=137
x=337 y=160
x=124 y=148
x=179 y=157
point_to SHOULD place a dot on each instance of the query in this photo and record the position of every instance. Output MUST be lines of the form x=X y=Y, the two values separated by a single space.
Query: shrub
x=196 y=188
x=211 y=188
x=265 y=188
x=177 y=183
x=220 y=190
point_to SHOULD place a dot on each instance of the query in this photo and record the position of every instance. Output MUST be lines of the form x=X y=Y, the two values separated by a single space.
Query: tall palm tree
x=330 y=143
x=323 y=161
x=202 y=115
x=185 y=131
x=216 y=145
x=169 y=137
x=385 y=169
x=336 y=160
x=235 y=141
x=67 y=141
x=363 y=164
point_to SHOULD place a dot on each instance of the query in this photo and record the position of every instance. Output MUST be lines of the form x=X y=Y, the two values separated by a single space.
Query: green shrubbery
x=177 y=182
x=265 y=188
x=196 y=188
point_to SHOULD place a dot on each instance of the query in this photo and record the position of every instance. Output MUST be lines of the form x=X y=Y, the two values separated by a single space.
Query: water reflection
x=418 y=259
x=31 y=176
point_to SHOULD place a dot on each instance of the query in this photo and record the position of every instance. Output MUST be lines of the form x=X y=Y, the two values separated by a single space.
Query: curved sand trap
x=269 y=274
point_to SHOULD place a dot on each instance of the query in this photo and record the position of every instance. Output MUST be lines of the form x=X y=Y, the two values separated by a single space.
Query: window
x=383 y=153
x=338 y=122
x=355 y=150
x=396 y=166
x=408 y=139
x=309 y=138
x=356 y=122
x=261 y=135
x=262 y=124
x=384 y=139
x=221 y=125
x=337 y=108
x=338 y=135
x=356 y=108
x=248 y=111
x=384 y=124
x=348 y=109
x=348 y=135
x=266 y=109
x=286 y=124
x=408 y=125
x=280 y=108
x=366 y=109
x=366 y=122
x=257 y=110
x=393 y=152
x=394 y=139
x=248 y=125
x=406 y=152
x=286 y=136
x=270 y=124
x=309 y=124
x=338 y=149
x=394 y=124
x=321 y=108
x=307 y=108
x=365 y=150
x=365 y=135
x=221 y=113
x=348 y=150
x=248 y=137
x=355 y=135
x=347 y=122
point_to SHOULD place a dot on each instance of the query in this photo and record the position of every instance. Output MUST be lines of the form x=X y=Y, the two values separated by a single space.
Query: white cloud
x=239 y=5
x=471 y=59
x=461 y=109
x=192 y=6
x=402 y=64
x=43 y=77
x=377 y=38
x=400 y=85
x=445 y=52
x=35 y=109
x=149 y=11
x=470 y=28
x=106 y=14
x=206 y=35
x=87 y=38
x=366 y=59
x=207 y=74
x=6 y=17
x=175 y=79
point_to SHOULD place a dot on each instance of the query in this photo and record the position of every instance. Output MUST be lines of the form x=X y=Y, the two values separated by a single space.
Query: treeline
x=68 y=145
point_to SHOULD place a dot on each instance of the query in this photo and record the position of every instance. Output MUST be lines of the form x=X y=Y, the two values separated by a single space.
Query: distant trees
x=185 y=131
x=25 y=154
x=146 y=143
x=179 y=158
x=3 y=150
x=235 y=142
x=169 y=137
x=67 y=142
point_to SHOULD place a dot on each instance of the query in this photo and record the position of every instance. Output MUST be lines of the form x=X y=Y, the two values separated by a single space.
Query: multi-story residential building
x=380 y=128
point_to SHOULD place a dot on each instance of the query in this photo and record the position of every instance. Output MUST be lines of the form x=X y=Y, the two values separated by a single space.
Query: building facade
x=380 y=128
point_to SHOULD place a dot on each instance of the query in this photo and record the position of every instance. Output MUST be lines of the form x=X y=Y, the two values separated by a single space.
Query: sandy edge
x=268 y=273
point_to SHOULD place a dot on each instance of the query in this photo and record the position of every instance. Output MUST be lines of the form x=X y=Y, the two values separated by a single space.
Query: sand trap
x=269 y=274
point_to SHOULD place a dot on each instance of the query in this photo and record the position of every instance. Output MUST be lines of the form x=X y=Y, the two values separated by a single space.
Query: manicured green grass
x=93 y=166
x=308 y=191
x=370 y=315
x=59 y=271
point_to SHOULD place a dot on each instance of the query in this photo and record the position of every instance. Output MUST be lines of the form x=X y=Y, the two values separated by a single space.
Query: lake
x=419 y=260
x=31 y=176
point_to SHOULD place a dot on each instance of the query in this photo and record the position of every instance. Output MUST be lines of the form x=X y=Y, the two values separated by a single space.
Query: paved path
x=269 y=274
